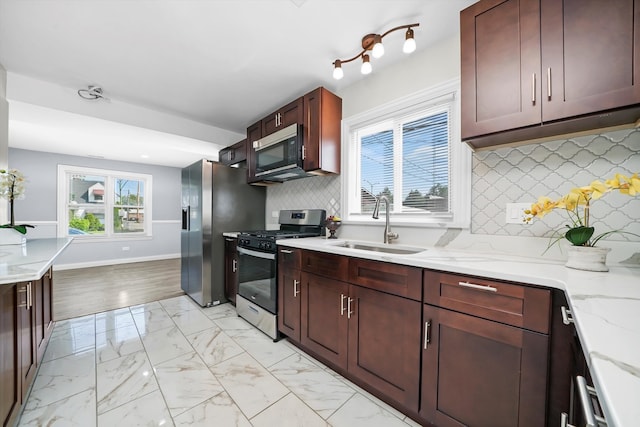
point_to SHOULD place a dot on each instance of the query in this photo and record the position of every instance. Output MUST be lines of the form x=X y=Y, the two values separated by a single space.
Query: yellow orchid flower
x=583 y=196
x=598 y=189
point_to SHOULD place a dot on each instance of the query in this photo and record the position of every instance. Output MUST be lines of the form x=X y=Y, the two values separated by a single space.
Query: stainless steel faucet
x=388 y=235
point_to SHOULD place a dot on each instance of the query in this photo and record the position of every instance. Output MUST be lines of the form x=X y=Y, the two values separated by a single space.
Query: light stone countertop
x=605 y=308
x=233 y=234
x=30 y=261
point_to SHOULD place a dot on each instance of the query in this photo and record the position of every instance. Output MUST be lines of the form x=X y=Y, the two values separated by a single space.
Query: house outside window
x=98 y=203
x=409 y=151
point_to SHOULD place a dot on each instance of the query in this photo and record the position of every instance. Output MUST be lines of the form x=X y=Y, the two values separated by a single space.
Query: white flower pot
x=9 y=236
x=587 y=258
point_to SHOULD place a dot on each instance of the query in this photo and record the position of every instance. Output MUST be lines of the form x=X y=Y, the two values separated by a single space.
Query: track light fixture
x=373 y=43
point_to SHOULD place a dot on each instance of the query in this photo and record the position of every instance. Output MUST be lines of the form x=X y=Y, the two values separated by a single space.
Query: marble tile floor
x=173 y=363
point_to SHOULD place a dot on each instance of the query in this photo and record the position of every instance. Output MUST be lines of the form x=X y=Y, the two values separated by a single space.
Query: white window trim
x=63 y=190
x=460 y=167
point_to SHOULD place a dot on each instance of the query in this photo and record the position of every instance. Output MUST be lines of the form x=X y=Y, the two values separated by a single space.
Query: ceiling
x=219 y=63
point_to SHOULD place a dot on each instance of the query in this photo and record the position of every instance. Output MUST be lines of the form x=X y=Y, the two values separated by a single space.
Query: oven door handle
x=265 y=255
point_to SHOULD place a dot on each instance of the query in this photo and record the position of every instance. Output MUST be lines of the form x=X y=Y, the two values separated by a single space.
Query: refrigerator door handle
x=186 y=218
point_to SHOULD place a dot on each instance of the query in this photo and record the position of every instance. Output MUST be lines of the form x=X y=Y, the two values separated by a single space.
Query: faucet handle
x=392 y=236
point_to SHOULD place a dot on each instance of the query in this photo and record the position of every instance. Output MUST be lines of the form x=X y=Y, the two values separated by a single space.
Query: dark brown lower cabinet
x=384 y=343
x=26 y=322
x=324 y=321
x=289 y=303
x=43 y=306
x=9 y=367
x=372 y=335
x=230 y=269
x=477 y=372
x=26 y=335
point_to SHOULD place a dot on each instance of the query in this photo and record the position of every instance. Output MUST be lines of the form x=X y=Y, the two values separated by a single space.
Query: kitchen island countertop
x=605 y=307
x=30 y=261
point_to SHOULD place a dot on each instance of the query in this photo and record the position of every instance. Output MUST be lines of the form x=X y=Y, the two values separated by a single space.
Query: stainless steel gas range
x=257 y=296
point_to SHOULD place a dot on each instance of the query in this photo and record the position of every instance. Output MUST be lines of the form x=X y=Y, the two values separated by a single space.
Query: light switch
x=514 y=213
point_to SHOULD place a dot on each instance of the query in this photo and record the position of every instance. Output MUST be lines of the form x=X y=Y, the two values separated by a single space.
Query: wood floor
x=91 y=290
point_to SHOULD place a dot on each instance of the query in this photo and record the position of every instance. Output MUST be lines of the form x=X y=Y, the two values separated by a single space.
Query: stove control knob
x=267 y=245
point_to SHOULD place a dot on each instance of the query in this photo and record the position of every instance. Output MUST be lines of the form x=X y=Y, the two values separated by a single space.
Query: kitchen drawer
x=289 y=258
x=512 y=304
x=394 y=279
x=324 y=264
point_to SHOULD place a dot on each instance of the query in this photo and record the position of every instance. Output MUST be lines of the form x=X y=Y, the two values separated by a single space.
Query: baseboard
x=102 y=263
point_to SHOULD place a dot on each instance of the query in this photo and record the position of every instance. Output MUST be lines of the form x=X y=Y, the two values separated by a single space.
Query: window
x=410 y=152
x=97 y=203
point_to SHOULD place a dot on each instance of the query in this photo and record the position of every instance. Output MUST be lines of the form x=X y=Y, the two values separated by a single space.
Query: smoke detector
x=92 y=92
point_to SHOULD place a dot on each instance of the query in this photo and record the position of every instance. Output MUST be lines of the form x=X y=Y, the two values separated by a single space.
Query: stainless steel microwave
x=279 y=155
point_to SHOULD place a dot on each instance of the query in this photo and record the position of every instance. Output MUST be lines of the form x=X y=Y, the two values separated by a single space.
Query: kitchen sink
x=383 y=248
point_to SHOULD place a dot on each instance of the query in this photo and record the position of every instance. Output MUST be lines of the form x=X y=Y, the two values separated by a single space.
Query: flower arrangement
x=578 y=203
x=12 y=188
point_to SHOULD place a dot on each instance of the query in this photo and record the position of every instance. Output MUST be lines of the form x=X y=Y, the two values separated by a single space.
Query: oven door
x=258 y=277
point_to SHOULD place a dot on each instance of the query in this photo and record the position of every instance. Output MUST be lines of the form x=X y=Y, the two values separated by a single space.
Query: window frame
x=109 y=204
x=434 y=97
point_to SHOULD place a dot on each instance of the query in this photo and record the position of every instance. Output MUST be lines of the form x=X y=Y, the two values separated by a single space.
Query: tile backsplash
x=522 y=174
x=318 y=192
x=513 y=175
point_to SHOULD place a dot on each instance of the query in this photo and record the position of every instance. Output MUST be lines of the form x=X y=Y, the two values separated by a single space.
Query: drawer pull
x=228 y=239
x=285 y=251
x=481 y=287
x=586 y=392
x=342 y=297
x=427 y=325
x=567 y=316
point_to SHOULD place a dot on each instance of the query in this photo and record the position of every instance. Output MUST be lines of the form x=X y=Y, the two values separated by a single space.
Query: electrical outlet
x=514 y=213
x=125 y=248
x=275 y=214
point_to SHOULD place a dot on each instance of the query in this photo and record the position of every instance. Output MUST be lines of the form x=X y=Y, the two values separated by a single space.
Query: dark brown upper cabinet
x=285 y=116
x=541 y=68
x=320 y=114
x=233 y=154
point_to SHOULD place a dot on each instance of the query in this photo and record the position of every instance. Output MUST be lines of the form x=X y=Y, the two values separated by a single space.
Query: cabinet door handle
x=342 y=297
x=26 y=298
x=533 y=88
x=481 y=287
x=586 y=392
x=304 y=152
x=349 y=312
x=549 y=83
x=427 y=326
x=295 y=288
x=29 y=296
x=564 y=420
x=285 y=251
x=234 y=265
x=567 y=316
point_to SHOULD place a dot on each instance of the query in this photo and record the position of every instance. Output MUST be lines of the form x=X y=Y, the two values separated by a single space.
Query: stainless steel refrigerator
x=215 y=199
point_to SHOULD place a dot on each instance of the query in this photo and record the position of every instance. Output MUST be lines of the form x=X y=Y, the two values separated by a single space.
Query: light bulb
x=366 y=65
x=337 y=70
x=378 y=48
x=409 y=42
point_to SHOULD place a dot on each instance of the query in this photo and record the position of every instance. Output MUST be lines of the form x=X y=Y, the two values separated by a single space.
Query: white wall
x=4 y=137
x=39 y=208
x=424 y=69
